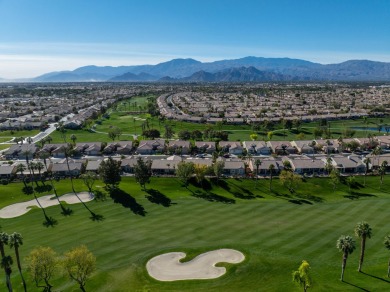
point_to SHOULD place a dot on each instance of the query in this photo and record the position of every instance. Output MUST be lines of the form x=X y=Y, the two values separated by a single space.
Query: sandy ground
x=19 y=209
x=167 y=267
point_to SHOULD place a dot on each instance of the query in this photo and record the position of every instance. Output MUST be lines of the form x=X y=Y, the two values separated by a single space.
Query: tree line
x=346 y=244
x=43 y=262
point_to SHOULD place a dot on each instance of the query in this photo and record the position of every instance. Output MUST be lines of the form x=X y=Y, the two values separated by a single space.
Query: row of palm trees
x=346 y=244
x=14 y=241
x=31 y=166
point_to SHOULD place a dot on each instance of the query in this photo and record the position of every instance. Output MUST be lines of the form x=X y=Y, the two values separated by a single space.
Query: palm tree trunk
x=8 y=279
x=345 y=256
x=365 y=175
x=64 y=210
x=71 y=177
x=388 y=270
x=20 y=268
x=5 y=268
x=363 y=244
x=270 y=183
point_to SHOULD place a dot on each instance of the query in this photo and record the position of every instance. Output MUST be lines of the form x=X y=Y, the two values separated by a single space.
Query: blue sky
x=38 y=36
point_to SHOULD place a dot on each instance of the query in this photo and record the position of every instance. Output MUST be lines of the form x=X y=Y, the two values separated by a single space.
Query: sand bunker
x=19 y=209
x=167 y=267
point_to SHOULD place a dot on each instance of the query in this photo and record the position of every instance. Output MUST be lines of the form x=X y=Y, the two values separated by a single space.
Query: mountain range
x=248 y=69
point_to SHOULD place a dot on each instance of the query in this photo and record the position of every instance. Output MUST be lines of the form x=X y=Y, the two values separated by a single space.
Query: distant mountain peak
x=182 y=68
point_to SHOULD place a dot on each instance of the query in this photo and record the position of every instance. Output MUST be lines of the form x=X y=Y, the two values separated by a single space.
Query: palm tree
x=382 y=171
x=6 y=263
x=365 y=122
x=376 y=152
x=363 y=231
x=367 y=162
x=4 y=240
x=21 y=168
x=387 y=245
x=16 y=240
x=32 y=166
x=49 y=139
x=257 y=163
x=73 y=138
x=65 y=211
x=39 y=166
x=346 y=245
x=271 y=171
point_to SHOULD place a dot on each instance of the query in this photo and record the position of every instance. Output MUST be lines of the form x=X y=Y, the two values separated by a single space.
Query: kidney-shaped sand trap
x=167 y=267
x=18 y=209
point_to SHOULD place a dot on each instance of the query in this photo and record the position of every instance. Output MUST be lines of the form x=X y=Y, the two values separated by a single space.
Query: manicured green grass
x=5 y=146
x=23 y=133
x=81 y=135
x=130 y=124
x=275 y=231
x=5 y=139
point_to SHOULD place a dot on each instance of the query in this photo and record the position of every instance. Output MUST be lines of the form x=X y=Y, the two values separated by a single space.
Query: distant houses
x=309 y=157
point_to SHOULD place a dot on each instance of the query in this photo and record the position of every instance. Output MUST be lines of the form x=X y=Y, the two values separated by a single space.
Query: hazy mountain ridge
x=131 y=77
x=291 y=69
x=241 y=74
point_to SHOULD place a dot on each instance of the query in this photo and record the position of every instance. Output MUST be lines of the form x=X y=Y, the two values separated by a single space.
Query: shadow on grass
x=205 y=184
x=376 y=277
x=291 y=199
x=220 y=183
x=279 y=134
x=356 y=196
x=245 y=195
x=242 y=193
x=155 y=196
x=300 y=202
x=211 y=197
x=126 y=200
x=43 y=188
x=49 y=221
x=310 y=198
x=96 y=217
x=356 y=286
x=281 y=196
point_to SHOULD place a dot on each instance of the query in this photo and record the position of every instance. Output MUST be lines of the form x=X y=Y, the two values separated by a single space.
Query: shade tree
x=114 y=133
x=109 y=170
x=290 y=180
x=89 y=179
x=143 y=172
x=42 y=265
x=302 y=276
x=184 y=171
x=79 y=263
x=218 y=168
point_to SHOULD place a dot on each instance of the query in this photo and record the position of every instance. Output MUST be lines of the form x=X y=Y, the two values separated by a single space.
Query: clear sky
x=39 y=36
